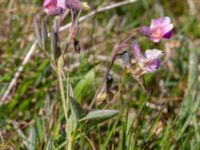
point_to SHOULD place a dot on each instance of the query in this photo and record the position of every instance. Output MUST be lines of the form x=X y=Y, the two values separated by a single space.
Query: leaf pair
x=42 y=37
x=79 y=114
x=41 y=33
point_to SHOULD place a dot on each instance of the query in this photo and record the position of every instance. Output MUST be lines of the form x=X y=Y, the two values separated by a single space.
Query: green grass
x=34 y=117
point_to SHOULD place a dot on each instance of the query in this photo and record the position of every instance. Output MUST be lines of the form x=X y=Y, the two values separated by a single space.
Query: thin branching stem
x=113 y=58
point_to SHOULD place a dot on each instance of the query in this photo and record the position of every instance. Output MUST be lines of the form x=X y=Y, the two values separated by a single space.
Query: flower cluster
x=150 y=60
x=57 y=7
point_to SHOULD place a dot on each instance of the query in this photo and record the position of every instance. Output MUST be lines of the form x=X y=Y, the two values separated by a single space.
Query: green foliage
x=76 y=109
x=167 y=118
x=81 y=91
x=99 y=115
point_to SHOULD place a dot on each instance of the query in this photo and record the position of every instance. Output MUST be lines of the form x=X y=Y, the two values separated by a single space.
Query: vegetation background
x=168 y=118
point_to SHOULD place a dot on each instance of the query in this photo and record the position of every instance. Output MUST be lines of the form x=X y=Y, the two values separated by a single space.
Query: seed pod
x=77 y=46
x=109 y=82
x=54 y=44
x=126 y=59
x=37 y=30
x=44 y=34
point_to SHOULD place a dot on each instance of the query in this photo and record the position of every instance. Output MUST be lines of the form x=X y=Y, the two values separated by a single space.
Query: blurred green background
x=170 y=119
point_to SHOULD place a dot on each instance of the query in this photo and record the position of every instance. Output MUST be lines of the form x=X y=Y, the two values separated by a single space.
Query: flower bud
x=77 y=46
x=54 y=7
x=74 y=5
x=109 y=81
x=37 y=30
x=55 y=43
x=126 y=60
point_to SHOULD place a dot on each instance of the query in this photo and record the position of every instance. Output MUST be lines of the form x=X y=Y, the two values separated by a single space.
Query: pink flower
x=74 y=5
x=150 y=61
x=54 y=7
x=159 y=28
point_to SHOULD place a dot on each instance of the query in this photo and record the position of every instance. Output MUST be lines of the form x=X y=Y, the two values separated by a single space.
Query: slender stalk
x=70 y=136
x=60 y=80
x=65 y=101
x=113 y=58
x=68 y=92
x=73 y=28
x=70 y=141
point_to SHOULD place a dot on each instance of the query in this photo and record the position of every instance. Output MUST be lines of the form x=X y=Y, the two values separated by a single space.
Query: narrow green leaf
x=32 y=138
x=21 y=134
x=81 y=89
x=60 y=64
x=100 y=114
x=49 y=144
x=39 y=128
x=187 y=107
x=129 y=126
x=77 y=110
x=193 y=69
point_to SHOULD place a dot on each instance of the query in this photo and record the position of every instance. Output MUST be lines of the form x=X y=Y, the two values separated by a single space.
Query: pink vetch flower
x=54 y=7
x=149 y=61
x=159 y=28
x=74 y=5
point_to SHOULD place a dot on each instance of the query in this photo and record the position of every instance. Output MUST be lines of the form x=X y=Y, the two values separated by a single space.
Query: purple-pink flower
x=159 y=28
x=150 y=61
x=75 y=5
x=54 y=7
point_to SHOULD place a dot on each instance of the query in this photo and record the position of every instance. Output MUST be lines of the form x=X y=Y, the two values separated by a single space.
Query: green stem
x=62 y=94
x=70 y=141
x=114 y=55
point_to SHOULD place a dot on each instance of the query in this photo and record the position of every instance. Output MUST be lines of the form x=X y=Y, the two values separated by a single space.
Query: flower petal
x=61 y=3
x=51 y=7
x=159 y=28
x=136 y=52
x=53 y=11
x=145 y=30
x=153 y=54
x=155 y=39
x=152 y=65
x=49 y=3
x=159 y=22
x=167 y=31
x=152 y=60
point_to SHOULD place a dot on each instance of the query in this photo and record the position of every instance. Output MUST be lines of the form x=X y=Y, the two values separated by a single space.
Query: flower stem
x=114 y=55
x=60 y=80
x=70 y=142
